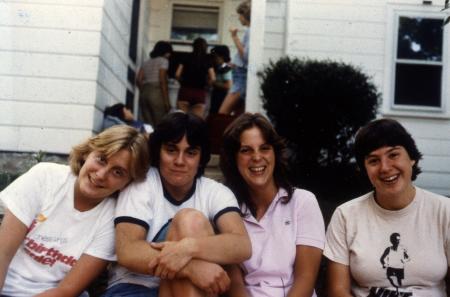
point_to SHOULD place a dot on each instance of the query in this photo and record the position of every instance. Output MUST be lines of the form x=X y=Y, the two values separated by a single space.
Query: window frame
x=389 y=107
x=217 y=6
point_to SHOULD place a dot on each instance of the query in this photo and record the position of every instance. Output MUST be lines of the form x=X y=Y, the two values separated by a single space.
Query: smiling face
x=389 y=169
x=256 y=160
x=178 y=166
x=100 y=177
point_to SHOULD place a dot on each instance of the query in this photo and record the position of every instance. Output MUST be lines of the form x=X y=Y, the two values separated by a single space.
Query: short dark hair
x=221 y=51
x=115 y=110
x=160 y=49
x=231 y=146
x=172 y=128
x=385 y=132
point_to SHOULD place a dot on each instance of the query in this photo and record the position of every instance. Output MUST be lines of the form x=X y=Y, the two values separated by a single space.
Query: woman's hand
x=172 y=258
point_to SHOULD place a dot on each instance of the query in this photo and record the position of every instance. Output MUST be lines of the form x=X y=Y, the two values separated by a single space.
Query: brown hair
x=109 y=142
x=245 y=9
x=231 y=146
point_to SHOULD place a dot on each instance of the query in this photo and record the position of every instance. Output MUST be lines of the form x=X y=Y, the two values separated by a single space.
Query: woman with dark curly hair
x=284 y=223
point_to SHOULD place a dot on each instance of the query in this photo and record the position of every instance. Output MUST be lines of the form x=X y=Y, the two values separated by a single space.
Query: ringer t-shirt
x=147 y=204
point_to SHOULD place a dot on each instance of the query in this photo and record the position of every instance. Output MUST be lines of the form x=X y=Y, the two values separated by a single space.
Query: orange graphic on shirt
x=39 y=219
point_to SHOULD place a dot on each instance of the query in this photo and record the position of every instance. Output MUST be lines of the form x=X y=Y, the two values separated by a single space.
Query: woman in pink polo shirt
x=285 y=224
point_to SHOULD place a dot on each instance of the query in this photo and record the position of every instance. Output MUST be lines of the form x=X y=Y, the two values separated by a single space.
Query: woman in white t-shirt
x=284 y=223
x=57 y=234
x=152 y=80
x=395 y=240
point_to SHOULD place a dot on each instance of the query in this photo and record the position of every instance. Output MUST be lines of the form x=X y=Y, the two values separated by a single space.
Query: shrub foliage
x=317 y=106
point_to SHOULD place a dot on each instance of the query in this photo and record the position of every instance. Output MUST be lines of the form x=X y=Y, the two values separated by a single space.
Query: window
x=190 y=22
x=417 y=76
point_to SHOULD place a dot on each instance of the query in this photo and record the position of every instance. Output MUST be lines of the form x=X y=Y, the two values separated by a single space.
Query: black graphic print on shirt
x=393 y=261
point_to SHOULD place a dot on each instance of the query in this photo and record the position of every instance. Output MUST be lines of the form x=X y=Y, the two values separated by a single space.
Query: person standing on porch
x=235 y=100
x=152 y=81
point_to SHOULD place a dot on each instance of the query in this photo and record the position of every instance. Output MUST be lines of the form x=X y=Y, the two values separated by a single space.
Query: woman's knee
x=189 y=222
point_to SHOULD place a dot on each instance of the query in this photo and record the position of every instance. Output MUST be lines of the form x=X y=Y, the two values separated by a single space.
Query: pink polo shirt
x=269 y=272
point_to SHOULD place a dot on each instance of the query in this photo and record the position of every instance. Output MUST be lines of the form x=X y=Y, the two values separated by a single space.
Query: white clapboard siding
x=114 y=60
x=355 y=32
x=48 y=73
x=33 y=139
x=61 y=63
x=54 y=90
x=55 y=16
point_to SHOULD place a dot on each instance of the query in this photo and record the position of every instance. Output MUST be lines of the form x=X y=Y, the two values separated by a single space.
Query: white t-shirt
x=360 y=231
x=145 y=203
x=58 y=234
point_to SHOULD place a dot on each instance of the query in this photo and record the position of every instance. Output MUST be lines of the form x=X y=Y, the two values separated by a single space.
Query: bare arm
x=140 y=78
x=79 y=277
x=163 y=84
x=211 y=76
x=237 y=42
x=135 y=253
x=231 y=246
x=306 y=268
x=383 y=257
x=179 y=72
x=132 y=249
x=237 y=287
x=12 y=234
x=339 y=280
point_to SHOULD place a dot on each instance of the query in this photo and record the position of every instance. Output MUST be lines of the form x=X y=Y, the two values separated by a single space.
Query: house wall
x=113 y=57
x=61 y=63
x=356 y=32
x=49 y=64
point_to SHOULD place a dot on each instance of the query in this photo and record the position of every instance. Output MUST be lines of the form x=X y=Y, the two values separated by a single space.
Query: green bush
x=318 y=106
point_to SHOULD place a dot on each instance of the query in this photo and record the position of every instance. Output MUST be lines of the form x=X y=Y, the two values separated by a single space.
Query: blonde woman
x=57 y=234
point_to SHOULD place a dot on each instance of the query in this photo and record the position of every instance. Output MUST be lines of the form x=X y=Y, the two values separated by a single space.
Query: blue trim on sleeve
x=132 y=221
x=225 y=210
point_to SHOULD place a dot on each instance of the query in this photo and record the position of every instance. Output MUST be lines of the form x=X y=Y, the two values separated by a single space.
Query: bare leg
x=229 y=103
x=187 y=223
x=198 y=110
x=183 y=105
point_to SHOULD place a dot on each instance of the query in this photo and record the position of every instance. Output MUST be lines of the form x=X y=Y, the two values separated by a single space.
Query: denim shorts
x=130 y=290
x=239 y=81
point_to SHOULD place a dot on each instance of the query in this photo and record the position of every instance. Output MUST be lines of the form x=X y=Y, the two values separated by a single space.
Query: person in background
x=57 y=234
x=119 y=114
x=152 y=80
x=284 y=223
x=362 y=262
x=175 y=229
x=222 y=84
x=234 y=102
x=195 y=75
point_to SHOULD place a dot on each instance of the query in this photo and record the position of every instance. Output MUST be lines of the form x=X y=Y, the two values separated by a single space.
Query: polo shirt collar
x=279 y=195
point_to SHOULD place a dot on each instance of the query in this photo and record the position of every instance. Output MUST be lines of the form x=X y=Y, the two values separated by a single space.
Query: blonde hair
x=245 y=9
x=109 y=142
